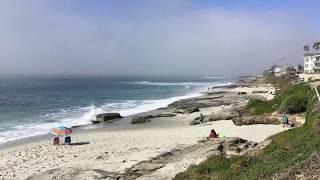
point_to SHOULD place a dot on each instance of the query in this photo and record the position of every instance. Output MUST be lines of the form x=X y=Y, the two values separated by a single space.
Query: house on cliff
x=311 y=67
x=281 y=70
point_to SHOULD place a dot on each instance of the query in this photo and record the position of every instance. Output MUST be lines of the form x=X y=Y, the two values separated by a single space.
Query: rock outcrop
x=224 y=115
x=106 y=117
x=196 y=121
x=165 y=115
x=191 y=110
x=200 y=102
x=242 y=93
x=255 y=120
x=147 y=118
x=257 y=92
x=235 y=145
x=141 y=119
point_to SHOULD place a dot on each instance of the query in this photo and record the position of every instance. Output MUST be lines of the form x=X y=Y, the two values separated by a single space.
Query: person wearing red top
x=213 y=134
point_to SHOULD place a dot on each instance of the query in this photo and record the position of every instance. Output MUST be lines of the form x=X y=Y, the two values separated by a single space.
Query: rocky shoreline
x=229 y=96
x=154 y=145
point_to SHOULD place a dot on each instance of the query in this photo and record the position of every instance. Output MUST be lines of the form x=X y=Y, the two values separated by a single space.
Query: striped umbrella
x=61 y=131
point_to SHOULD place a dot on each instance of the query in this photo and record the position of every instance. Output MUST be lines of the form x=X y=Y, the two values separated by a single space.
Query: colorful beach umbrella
x=61 y=131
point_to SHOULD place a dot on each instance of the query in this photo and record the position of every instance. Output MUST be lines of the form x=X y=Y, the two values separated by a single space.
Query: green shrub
x=258 y=107
x=294 y=104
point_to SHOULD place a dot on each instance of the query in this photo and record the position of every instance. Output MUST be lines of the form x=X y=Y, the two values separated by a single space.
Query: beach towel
x=221 y=135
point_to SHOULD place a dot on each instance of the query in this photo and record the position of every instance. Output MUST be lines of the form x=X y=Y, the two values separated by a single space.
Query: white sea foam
x=83 y=115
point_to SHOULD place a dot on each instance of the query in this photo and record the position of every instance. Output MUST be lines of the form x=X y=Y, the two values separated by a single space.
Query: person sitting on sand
x=284 y=119
x=213 y=134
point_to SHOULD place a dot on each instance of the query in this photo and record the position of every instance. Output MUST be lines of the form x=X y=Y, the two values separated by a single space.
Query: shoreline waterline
x=146 y=106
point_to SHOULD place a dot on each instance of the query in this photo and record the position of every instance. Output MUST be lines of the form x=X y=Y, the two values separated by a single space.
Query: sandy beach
x=107 y=152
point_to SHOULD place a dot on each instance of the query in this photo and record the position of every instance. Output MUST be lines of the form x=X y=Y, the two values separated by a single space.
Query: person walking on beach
x=201 y=119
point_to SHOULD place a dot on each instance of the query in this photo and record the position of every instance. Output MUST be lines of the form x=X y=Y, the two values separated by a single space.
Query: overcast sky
x=118 y=37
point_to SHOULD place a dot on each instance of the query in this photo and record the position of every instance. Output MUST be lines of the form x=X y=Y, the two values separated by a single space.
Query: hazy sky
x=136 y=37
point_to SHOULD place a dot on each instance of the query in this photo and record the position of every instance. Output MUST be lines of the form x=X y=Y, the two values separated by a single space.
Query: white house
x=311 y=63
x=311 y=67
x=277 y=71
x=284 y=70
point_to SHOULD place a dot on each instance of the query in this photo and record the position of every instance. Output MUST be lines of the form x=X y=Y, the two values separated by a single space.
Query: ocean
x=31 y=105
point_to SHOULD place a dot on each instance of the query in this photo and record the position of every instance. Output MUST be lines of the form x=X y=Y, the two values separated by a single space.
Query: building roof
x=312 y=54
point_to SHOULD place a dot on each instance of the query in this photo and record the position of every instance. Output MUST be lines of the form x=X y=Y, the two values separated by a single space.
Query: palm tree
x=316 y=46
x=306 y=48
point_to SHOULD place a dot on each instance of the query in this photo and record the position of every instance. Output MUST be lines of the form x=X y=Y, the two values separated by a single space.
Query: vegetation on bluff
x=292 y=99
x=286 y=149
